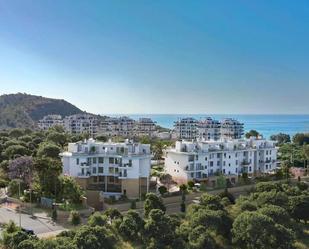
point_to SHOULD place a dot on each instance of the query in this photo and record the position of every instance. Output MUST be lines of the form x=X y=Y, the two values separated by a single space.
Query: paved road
x=38 y=225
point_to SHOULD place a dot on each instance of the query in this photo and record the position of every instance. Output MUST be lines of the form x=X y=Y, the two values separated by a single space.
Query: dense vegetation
x=23 y=110
x=271 y=216
x=31 y=159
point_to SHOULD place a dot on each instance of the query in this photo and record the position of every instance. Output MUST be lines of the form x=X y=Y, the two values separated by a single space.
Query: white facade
x=50 y=121
x=231 y=129
x=186 y=128
x=127 y=127
x=122 y=126
x=208 y=129
x=81 y=123
x=203 y=159
x=116 y=161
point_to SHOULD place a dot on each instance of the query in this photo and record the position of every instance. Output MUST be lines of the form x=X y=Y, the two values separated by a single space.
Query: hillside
x=23 y=110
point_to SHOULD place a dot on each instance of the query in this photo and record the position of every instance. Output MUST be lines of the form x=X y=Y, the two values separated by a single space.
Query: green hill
x=24 y=110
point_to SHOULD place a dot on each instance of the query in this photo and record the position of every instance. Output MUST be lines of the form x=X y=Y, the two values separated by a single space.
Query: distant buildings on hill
x=185 y=128
x=106 y=126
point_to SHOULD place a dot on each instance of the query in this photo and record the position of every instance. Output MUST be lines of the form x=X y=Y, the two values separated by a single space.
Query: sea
x=266 y=125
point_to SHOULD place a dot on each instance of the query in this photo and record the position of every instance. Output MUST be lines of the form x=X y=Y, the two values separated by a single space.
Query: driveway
x=38 y=225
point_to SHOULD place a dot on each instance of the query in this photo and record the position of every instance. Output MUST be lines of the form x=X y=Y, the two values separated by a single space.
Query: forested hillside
x=23 y=110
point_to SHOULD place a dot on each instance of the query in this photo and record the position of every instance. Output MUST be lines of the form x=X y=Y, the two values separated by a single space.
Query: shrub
x=74 y=218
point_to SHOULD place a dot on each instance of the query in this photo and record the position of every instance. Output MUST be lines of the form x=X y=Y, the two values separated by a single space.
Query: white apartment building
x=118 y=168
x=50 y=121
x=81 y=123
x=201 y=160
x=186 y=128
x=127 y=127
x=122 y=126
x=144 y=127
x=209 y=129
x=231 y=129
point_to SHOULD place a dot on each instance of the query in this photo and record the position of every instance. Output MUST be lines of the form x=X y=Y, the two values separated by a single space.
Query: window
x=94 y=160
x=111 y=170
x=218 y=155
x=211 y=163
x=229 y=156
x=111 y=160
x=77 y=161
x=250 y=168
x=205 y=158
x=224 y=155
x=100 y=170
x=236 y=154
x=130 y=163
x=223 y=171
x=94 y=170
x=218 y=163
x=236 y=162
x=223 y=163
x=101 y=160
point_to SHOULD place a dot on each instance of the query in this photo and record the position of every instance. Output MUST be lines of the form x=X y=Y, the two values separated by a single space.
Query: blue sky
x=159 y=56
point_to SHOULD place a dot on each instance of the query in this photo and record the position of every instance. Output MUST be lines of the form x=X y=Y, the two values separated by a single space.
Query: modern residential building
x=144 y=127
x=122 y=126
x=50 y=121
x=81 y=123
x=127 y=127
x=186 y=128
x=209 y=129
x=203 y=160
x=111 y=168
x=231 y=128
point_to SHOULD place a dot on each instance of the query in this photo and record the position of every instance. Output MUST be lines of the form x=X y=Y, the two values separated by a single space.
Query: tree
x=48 y=150
x=14 y=151
x=281 y=138
x=299 y=206
x=216 y=220
x=70 y=190
x=131 y=226
x=57 y=138
x=301 y=138
x=94 y=237
x=252 y=133
x=16 y=133
x=97 y=219
x=253 y=230
x=200 y=238
x=211 y=201
x=278 y=214
x=21 y=168
x=228 y=195
x=74 y=218
x=162 y=190
x=153 y=202
x=160 y=229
